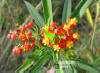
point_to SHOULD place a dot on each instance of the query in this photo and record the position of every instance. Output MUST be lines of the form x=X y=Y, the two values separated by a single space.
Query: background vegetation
x=15 y=11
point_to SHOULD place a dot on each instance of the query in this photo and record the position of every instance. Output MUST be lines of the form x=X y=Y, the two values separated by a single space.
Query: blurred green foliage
x=14 y=11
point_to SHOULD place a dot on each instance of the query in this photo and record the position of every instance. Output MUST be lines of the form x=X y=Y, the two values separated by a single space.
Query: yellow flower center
x=56 y=48
x=66 y=27
x=45 y=40
x=76 y=35
x=46 y=27
x=74 y=21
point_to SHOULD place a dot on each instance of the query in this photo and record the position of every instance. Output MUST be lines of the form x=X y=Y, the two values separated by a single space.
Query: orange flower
x=66 y=26
x=74 y=21
x=70 y=44
x=22 y=35
x=25 y=47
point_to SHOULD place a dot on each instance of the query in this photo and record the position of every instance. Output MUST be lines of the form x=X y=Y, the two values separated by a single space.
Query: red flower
x=29 y=37
x=62 y=43
x=13 y=36
x=32 y=45
x=30 y=33
x=41 y=32
x=51 y=30
x=69 y=32
x=26 y=47
x=40 y=41
x=53 y=24
x=33 y=39
x=23 y=29
x=56 y=41
x=14 y=51
x=64 y=24
x=30 y=24
x=59 y=31
x=17 y=51
x=73 y=26
x=22 y=35
x=9 y=36
x=56 y=31
x=25 y=39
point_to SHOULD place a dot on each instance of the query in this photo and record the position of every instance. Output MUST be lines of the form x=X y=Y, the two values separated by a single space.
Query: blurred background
x=15 y=11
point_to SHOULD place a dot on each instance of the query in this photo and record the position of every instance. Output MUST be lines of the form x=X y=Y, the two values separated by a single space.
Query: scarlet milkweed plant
x=55 y=43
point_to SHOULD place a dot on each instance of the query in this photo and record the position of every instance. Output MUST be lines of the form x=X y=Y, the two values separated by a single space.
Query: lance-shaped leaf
x=66 y=10
x=40 y=63
x=81 y=8
x=47 y=7
x=95 y=43
x=25 y=66
x=85 y=66
x=35 y=15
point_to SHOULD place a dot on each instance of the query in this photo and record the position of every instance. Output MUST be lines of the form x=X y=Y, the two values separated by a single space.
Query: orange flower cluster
x=22 y=35
x=60 y=37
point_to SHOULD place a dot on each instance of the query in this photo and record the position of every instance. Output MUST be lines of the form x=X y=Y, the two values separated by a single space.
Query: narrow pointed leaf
x=85 y=66
x=26 y=65
x=30 y=61
x=35 y=15
x=40 y=63
x=81 y=8
x=95 y=43
x=47 y=7
x=66 y=10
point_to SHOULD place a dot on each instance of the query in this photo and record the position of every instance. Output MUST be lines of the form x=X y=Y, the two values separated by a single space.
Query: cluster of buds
x=60 y=37
x=25 y=36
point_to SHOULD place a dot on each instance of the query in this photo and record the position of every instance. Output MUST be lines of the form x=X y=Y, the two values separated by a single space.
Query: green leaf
x=81 y=8
x=74 y=70
x=30 y=61
x=40 y=63
x=26 y=65
x=50 y=35
x=57 y=63
x=97 y=61
x=85 y=66
x=97 y=7
x=47 y=7
x=35 y=15
x=95 y=43
x=37 y=53
x=66 y=10
x=69 y=68
x=60 y=69
x=91 y=52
